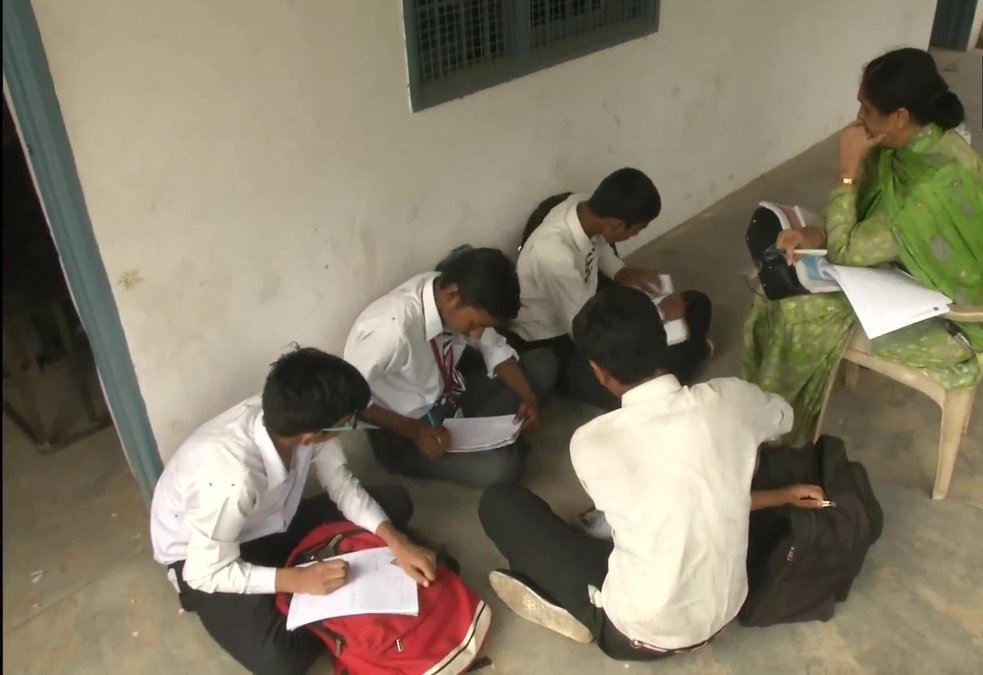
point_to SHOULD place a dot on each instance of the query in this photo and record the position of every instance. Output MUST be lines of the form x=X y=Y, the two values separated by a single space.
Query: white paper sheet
x=885 y=300
x=677 y=330
x=665 y=289
x=376 y=585
x=476 y=434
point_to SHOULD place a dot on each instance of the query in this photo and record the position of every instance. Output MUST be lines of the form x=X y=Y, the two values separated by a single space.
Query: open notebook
x=375 y=585
x=807 y=267
x=677 y=330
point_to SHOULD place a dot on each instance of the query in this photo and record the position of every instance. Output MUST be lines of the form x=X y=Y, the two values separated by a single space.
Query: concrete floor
x=104 y=606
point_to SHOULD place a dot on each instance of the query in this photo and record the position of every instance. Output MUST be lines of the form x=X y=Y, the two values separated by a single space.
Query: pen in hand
x=433 y=423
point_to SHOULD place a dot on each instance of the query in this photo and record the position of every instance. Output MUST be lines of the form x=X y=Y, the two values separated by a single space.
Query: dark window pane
x=455 y=34
x=462 y=46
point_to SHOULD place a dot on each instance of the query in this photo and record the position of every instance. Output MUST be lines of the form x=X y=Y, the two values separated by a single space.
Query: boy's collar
x=657 y=387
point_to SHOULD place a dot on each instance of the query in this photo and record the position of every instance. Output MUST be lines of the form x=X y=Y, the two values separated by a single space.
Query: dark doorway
x=50 y=390
x=953 y=24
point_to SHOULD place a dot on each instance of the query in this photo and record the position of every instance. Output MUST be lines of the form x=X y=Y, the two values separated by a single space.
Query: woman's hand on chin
x=855 y=143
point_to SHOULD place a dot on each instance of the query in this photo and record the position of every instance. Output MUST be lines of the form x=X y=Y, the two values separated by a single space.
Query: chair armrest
x=965 y=313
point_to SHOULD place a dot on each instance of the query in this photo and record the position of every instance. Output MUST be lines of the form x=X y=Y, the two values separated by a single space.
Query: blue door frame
x=35 y=106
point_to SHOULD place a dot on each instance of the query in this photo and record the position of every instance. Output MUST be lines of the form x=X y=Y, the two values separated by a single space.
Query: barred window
x=458 y=47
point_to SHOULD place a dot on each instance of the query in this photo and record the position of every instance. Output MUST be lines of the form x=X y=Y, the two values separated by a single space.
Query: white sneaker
x=596 y=524
x=533 y=607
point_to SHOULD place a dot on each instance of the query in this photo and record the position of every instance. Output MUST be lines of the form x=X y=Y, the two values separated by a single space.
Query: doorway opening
x=71 y=509
x=51 y=390
x=953 y=24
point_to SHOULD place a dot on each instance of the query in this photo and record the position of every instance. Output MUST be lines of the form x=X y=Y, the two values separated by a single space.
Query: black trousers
x=557 y=560
x=576 y=380
x=250 y=627
x=483 y=396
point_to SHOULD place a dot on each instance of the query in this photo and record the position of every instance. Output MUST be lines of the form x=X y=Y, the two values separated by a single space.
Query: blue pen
x=433 y=423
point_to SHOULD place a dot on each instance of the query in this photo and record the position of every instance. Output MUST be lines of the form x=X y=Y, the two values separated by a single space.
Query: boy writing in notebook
x=558 y=270
x=409 y=345
x=228 y=510
x=672 y=470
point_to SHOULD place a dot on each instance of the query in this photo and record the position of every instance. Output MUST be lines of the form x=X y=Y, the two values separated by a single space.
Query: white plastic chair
x=956 y=404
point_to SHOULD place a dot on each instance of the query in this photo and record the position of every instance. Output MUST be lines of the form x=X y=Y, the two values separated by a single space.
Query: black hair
x=909 y=78
x=537 y=217
x=620 y=330
x=308 y=390
x=485 y=279
x=628 y=195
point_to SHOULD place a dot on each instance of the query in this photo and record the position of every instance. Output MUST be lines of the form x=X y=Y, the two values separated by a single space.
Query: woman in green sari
x=910 y=193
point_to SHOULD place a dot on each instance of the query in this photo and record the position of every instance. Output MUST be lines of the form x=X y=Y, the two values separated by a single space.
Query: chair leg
x=818 y=430
x=969 y=412
x=956 y=410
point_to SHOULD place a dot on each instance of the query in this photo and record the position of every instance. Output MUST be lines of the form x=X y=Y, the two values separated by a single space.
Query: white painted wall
x=255 y=176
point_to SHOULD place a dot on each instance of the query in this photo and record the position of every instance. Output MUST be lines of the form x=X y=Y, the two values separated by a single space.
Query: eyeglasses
x=355 y=424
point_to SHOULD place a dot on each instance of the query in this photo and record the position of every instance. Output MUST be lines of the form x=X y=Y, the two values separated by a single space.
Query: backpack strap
x=539 y=214
x=322 y=549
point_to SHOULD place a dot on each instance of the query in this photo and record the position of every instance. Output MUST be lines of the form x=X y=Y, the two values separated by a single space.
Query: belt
x=652 y=649
x=520 y=344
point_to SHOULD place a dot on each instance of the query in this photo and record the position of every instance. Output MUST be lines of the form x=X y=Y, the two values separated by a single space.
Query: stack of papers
x=677 y=330
x=814 y=275
x=375 y=585
x=475 y=434
x=665 y=289
x=885 y=300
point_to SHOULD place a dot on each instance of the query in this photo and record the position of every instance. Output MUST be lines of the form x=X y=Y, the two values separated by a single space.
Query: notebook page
x=375 y=585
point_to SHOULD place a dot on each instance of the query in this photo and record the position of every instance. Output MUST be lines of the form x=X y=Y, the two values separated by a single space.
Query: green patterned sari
x=920 y=207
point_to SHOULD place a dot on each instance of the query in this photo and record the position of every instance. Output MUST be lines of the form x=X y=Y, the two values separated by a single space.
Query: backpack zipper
x=326 y=550
x=810 y=519
x=339 y=642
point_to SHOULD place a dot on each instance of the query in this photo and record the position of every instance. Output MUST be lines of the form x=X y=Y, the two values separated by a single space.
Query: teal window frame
x=524 y=51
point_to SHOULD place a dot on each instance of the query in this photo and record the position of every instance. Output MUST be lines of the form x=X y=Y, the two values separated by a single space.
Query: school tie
x=589 y=266
x=453 y=381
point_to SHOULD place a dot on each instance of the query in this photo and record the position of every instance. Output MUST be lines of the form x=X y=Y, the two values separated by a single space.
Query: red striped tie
x=453 y=381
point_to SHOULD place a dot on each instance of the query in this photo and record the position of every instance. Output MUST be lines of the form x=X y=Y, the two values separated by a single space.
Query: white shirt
x=227 y=485
x=672 y=472
x=390 y=346
x=554 y=278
